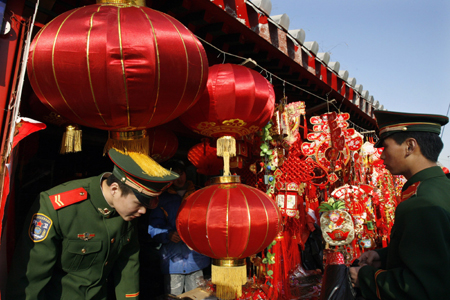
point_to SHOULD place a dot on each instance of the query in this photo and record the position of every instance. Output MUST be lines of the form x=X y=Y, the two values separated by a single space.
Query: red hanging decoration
x=237 y=101
x=228 y=221
x=117 y=67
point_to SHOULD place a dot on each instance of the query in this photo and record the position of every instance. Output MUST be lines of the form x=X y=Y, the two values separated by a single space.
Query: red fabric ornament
x=117 y=67
x=163 y=144
x=205 y=159
x=237 y=101
x=228 y=221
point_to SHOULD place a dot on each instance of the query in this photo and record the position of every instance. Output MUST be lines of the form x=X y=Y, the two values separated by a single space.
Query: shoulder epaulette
x=410 y=191
x=68 y=197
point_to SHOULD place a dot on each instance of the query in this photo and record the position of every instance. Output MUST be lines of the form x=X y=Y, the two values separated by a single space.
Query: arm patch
x=68 y=197
x=39 y=227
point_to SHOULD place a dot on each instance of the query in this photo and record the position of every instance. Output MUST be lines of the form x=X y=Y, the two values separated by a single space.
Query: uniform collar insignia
x=104 y=211
x=85 y=236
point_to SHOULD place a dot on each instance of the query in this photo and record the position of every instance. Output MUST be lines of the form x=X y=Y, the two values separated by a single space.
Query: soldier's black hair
x=430 y=143
x=126 y=190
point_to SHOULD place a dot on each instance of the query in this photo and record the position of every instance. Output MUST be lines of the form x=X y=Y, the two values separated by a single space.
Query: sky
x=399 y=50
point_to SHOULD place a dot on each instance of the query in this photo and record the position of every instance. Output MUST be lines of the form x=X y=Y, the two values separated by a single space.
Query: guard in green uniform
x=82 y=232
x=416 y=264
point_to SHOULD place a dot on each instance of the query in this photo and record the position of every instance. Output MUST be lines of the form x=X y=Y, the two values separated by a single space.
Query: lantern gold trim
x=226 y=179
x=130 y=2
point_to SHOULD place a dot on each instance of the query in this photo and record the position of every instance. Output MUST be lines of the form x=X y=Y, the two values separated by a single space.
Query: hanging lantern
x=228 y=221
x=163 y=144
x=117 y=66
x=237 y=101
x=204 y=158
x=287 y=198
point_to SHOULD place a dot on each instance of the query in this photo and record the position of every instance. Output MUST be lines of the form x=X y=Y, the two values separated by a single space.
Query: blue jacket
x=176 y=258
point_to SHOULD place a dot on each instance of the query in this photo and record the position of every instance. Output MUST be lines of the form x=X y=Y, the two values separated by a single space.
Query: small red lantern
x=163 y=144
x=228 y=221
x=237 y=101
x=204 y=159
x=117 y=66
x=287 y=199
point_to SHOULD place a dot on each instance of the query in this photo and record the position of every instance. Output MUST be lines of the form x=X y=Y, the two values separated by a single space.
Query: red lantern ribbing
x=228 y=221
x=118 y=67
x=237 y=101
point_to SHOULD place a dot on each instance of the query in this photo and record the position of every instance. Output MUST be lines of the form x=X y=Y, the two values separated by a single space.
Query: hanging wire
x=448 y=109
x=269 y=76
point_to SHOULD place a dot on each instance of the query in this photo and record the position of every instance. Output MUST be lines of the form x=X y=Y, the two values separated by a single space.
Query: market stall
x=221 y=85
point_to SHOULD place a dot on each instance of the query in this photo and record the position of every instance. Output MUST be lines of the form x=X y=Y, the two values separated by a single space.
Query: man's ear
x=411 y=145
x=114 y=189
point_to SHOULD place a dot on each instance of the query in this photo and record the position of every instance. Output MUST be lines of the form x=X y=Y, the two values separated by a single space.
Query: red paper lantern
x=237 y=101
x=205 y=159
x=228 y=221
x=117 y=67
x=163 y=144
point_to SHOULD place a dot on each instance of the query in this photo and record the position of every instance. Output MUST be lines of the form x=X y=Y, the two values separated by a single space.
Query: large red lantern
x=163 y=143
x=119 y=67
x=228 y=221
x=237 y=101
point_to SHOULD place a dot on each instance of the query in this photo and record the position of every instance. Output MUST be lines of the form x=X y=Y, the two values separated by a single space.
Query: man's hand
x=174 y=237
x=370 y=258
x=354 y=276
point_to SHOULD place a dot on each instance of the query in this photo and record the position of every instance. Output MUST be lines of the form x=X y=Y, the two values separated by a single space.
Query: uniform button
x=113 y=240
x=83 y=250
x=128 y=240
x=106 y=263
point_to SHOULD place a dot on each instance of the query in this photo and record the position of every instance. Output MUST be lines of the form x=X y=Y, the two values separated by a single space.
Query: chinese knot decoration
x=332 y=141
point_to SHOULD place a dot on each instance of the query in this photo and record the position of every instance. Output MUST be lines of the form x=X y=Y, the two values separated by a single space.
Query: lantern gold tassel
x=135 y=144
x=226 y=148
x=71 y=141
x=128 y=141
x=229 y=276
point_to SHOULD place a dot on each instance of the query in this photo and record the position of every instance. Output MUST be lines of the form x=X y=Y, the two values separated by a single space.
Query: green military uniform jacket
x=69 y=250
x=416 y=264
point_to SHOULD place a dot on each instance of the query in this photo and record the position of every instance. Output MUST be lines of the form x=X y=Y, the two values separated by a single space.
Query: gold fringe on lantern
x=128 y=141
x=226 y=148
x=229 y=276
x=71 y=141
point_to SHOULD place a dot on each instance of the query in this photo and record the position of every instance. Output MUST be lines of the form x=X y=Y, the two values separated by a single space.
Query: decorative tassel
x=229 y=276
x=128 y=141
x=71 y=141
x=226 y=148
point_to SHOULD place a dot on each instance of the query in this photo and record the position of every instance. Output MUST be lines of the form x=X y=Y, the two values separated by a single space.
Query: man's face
x=394 y=156
x=128 y=207
x=180 y=181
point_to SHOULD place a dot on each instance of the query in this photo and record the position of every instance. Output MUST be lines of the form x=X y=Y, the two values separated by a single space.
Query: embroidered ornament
x=336 y=224
x=39 y=227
